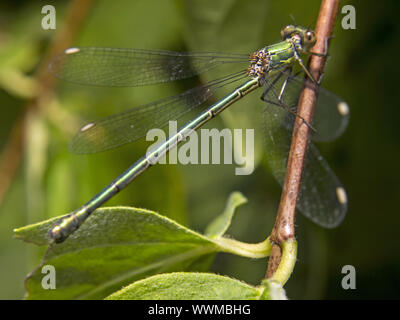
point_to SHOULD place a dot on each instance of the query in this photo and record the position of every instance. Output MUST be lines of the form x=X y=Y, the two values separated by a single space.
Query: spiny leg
x=322 y=55
x=325 y=54
x=280 y=98
x=303 y=66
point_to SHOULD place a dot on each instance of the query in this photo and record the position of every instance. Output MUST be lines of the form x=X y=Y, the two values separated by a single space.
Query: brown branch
x=284 y=223
x=11 y=155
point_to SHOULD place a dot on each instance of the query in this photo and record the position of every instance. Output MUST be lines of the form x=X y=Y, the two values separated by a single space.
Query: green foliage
x=118 y=245
x=221 y=223
x=195 y=286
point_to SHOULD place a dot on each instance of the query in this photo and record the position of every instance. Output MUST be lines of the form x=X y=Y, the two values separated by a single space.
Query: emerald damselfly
x=322 y=197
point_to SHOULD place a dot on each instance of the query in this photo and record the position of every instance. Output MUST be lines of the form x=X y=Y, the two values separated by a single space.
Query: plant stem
x=284 y=224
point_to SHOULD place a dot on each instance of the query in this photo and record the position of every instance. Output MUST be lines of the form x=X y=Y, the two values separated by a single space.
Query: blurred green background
x=49 y=181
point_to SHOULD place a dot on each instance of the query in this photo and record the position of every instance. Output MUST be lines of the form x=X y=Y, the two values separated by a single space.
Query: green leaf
x=188 y=286
x=115 y=246
x=221 y=223
x=16 y=83
x=119 y=245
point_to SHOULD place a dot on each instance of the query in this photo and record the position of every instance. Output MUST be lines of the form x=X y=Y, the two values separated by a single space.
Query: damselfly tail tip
x=56 y=234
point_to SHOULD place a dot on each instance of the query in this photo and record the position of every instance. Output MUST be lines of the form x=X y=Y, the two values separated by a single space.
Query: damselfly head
x=306 y=36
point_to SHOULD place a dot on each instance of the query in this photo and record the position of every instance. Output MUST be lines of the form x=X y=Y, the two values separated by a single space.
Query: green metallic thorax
x=281 y=54
x=273 y=57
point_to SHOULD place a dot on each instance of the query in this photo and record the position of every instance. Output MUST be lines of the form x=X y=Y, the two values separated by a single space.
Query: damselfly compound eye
x=310 y=36
x=287 y=31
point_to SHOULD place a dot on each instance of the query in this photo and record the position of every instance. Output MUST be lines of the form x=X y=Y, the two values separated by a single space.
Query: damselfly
x=322 y=197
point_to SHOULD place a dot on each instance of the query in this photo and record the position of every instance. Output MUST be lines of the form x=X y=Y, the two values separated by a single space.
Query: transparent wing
x=322 y=197
x=133 y=124
x=134 y=67
x=331 y=114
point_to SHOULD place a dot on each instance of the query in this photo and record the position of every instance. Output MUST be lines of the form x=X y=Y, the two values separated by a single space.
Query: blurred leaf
x=20 y=49
x=188 y=286
x=120 y=245
x=36 y=146
x=221 y=223
x=16 y=83
x=19 y=55
x=133 y=24
x=58 y=195
x=16 y=58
